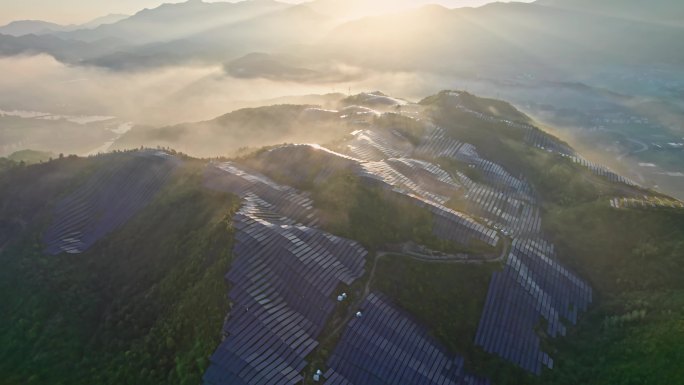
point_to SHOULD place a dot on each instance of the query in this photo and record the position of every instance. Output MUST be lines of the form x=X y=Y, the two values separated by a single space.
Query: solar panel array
x=457 y=227
x=646 y=202
x=382 y=159
x=504 y=200
x=544 y=141
x=603 y=171
x=436 y=144
x=282 y=283
x=531 y=286
x=411 y=176
x=111 y=197
x=286 y=201
x=447 y=223
x=537 y=138
x=372 y=145
x=516 y=217
x=493 y=173
x=385 y=347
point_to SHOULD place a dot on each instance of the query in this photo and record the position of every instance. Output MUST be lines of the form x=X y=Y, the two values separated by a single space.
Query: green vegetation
x=31 y=156
x=492 y=107
x=413 y=130
x=6 y=164
x=635 y=261
x=446 y=297
x=376 y=217
x=557 y=180
x=144 y=306
x=233 y=133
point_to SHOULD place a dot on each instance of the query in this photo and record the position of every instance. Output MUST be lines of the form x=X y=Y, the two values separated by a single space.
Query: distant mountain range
x=550 y=36
x=38 y=27
x=669 y=12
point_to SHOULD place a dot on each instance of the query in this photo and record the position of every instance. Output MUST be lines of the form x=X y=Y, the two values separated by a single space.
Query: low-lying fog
x=169 y=95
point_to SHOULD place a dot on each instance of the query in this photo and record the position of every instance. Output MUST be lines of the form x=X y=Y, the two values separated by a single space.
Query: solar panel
x=531 y=286
x=107 y=200
x=282 y=279
x=386 y=346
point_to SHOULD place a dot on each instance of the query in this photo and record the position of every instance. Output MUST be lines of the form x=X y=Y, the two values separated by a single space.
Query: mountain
x=669 y=12
x=295 y=25
x=353 y=9
x=203 y=32
x=240 y=131
x=485 y=241
x=35 y=27
x=191 y=17
x=64 y=50
x=501 y=39
x=495 y=40
x=103 y=20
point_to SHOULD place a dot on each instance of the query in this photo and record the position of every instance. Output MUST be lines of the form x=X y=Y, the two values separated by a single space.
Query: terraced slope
x=383 y=345
x=282 y=282
x=286 y=201
x=106 y=201
x=533 y=285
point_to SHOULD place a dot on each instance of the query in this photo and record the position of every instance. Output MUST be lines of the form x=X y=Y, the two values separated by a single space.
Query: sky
x=82 y=11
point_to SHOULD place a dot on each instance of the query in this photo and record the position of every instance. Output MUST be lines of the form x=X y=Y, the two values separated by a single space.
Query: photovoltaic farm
x=424 y=183
x=544 y=141
x=287 y=202
x=646 y=202
x=540 y=139
x=531 y=286
x=282 y=282
x=287 y=271
x=415 y=248
x=107 y=200
x=383 y=345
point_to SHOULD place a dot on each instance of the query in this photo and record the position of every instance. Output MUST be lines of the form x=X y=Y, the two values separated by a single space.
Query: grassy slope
x=634 y=332
x=144 y=306
x=635 y=261
x=447 y=298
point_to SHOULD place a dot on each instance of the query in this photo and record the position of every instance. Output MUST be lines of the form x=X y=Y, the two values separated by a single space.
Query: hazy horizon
x=74 y=12
x=341 y=192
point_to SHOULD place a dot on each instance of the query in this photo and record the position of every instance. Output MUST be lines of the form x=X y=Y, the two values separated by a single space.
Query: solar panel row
x=517 y=217
x=493 y=173
x=286 y=201
x=437 y=144
x=408 y=175
x=418 y=189
x=646 y=202
x=282 y=283
x=544 y=141
x=371 y=146
x=603 y=171
x=111 y=197
x=532 y=286
x=385 y=347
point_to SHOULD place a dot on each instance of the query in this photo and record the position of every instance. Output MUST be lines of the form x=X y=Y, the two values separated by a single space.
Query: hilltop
x=443 y=214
